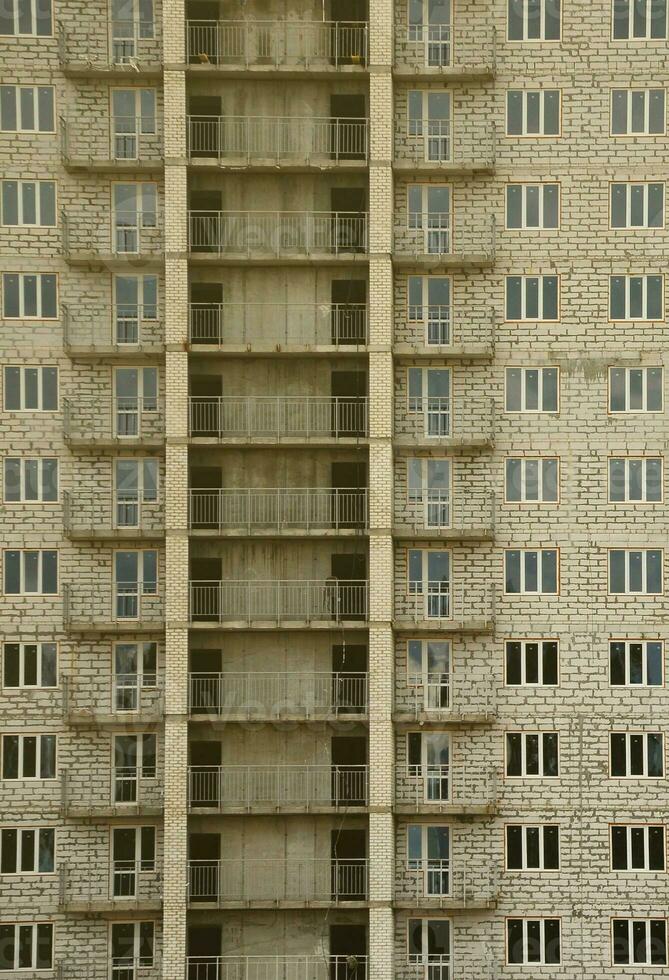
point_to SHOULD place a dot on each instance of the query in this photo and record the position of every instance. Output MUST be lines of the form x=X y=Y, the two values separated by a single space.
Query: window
x=530 y=571
x=135 y=393
x=31 y=18
x=637 y=847
x=533 y=206
x=27 y=850
x=531 y=663
x=133 y=853
x=635 y=572
x=533 y=113
x=135 y=300
x=639 y=19
x=27 y=109
x=532 y=754
x=429 y=672
x=532 y=848
x=136 y=484
x=634 y=754
x=429 y=394
x=429 y=946
x=131 y=22
x=532 y=297
x=533 y=941
x=29 y=203
x=429 y=307
x=530 y=479
x=29 y=296
x=636 y=389
x=29 y=665
x=531 y=389
x=641 y=941
x=26 y=946
x=429 y=489
x=428 y=851
x=637 y=205
x=131 y=942
x=635 y=479
x=133 y=116
x=533 y=20
x=31 y=389
x=28 y=756
x=430 y=583
x=31 y=572
x=429 y=217
x=30 y=480
x=429 y=120
x=135 y=670
x=135 y=576
x=134 y=759
x=134 y=209
x=430 y=25
x=636 y=663
x=636 y=298
x=638 y=112
x=428 y=756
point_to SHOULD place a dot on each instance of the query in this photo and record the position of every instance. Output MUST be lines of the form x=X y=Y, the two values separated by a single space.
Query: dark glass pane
x=513 y=663
x=514 y=848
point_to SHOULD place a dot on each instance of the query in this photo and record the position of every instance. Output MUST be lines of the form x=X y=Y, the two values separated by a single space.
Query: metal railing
x=450 y=785
x=458 y=604
x=438 y=46
x=130 y=328
x=436 y=412
x=438 y=880
x=124 y=787
x=304 y=44
x=106 y=43
x=241 y=787
x=430 y=966
x=435 y=233
x=306 y=324
x=278 y=967
x=438 y=325
x=277 y=416
x=127 y=881
x=127 y=231
x=268 y=880
x=433 y=508
x=444 y=141
x=95 y=697
x=277 y=509
x=278 y=600
x=96 y=513
x=280 y=694
x=279 y=139
x=105 y=417
x=99 y=604
x=102 y=139
x=277 y=233
x=445 y=693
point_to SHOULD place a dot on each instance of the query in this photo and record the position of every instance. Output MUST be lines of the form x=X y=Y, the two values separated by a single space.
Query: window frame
x=22 y=368
x=645 y=827
x=540 y=642
x=142 y=962
x=22 y=315
x=34 y=18
x=543 y=185
x=19 y=849
x=37 y=778
x=524 y=501
x=644 y=481
x=630 y=133
x=542 y=845
x=637 y=37
x=542 y=39
x=525 y=919
x=34 y=925
x=22 y=481
x=538 y=551
x=644 y=368
x=540 y=754
x=22 y=686
x=636 y=776
x=540 y=390
x=38 y=181
x=630 y=921
x=524 y=279
x=542 y=112
x=644 y=574
x=22 y=572
x=629 y=185
x=645 y=277
x=35 y=102
x=627 y=686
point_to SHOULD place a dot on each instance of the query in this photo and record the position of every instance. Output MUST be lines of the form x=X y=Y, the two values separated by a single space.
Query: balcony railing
x=446 y=694
x=442 y=601
x=267 y=880
x=261 y=43
x=122 y=790
x=436 y=234
x=129 y=883
x=281 y=234
x=276 y=417
x=279 y=967
x=441 y=882
x=460 y=145
x=131 y=328
x=121 y=232
x=442 y=509
x=102 y=699
x=241 y=787
x=439 y=325
x=131 y=42
x=91 y=605
x=298 y=325
x=278 y=600
x=448 y=785
x=277 y=509
x=111 y=419
x=312 y=140
x=106 y=139
x=277 y=695
x=467 y=421
x=92 y=513
x=439 y=47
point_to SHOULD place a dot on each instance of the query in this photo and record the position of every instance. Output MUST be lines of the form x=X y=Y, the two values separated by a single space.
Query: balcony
x=442 y=606
x=295 y=602
x=435 y=883
x=429 y=50
x=454 y=789
x=130 y=699
x=264 y=511
x=444 y=422
x=271 y=788
x=446 y=514
x=125 y=792
x=288 y=696
x=435 y=239
x=124 y=606
x=117 y=236
x=117 y=49
x=123 y=514
x=277 y=418
x=268 y=142
x=469 y=961
x=279 y=967
x=446 y=699
x=296 y=328
x=446 y=147
x=108 y=422
x=110 y=144
x=438 y=330
x=127 y=886
x=289 y=236
x=270 y=883
x=289 y=47
x=132 y=331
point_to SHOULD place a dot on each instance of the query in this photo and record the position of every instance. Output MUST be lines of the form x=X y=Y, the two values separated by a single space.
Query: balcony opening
x=348 y=300
x=347 y=42
x=205 y=112
x=348 y=952
x=350 y=572
x=348 y=756
x=206 y=501
x=206 y=313
x=349 y=481
x=204 y=857
x=349 y=677
x=349 y=392
x=204 y=950
x=348 y=131
x=205 y=405
x=208 y=573
x=348 y=852
x=348 y=206
x=205 y=207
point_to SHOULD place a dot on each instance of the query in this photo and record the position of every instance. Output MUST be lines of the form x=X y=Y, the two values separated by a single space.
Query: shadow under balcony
x=442 y=606
x=444 y=52
x=279 y=967
x=92 y=515
x=267 y=883
x=118 y=49
x=270 y=789
x=242 y=328
x=128 y=794
x=290 y=696
x=445 y=700
x=442 y=146
x=433 y=883
x=296 y=144
x=112 y=423
x=289 y=48
x=117 y=238
x=125 y=701
x=278 y=603
x=271 y=237
x=132 y=331
x=110 y=144
x=124 y=887
x=277 y=512
x=123 y=607
x=268 y=420
x=445 y=515
x=432 y=240
x=456 y=790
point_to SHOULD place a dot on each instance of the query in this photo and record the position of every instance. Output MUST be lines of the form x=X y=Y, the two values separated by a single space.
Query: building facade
x=333 y=434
